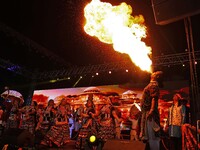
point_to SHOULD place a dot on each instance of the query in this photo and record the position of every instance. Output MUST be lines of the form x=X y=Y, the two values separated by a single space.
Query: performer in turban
x=150 y=122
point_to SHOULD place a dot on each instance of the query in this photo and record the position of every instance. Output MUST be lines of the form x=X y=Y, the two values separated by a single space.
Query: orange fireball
x=115 y=25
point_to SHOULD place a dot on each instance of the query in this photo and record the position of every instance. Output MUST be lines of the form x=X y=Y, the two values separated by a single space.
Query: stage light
x=195 y=62
x=92 y=138
x=92 y=76
x=93 y=142
x=183 y=65
x=97 y=73
x=109 y=72
x=68 y=78
x=126 y=70
x=77 y=81
x=52 y=81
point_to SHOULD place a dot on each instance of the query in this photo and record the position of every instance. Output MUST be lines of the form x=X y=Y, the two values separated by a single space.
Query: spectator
x=184 y=102
x=176 y=119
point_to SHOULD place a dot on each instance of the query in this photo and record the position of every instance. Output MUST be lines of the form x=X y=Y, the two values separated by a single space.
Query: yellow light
x=92 y=139
x=53 y=81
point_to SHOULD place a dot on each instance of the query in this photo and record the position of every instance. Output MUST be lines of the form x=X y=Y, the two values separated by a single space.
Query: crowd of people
x=56 y=125
x=48 y=125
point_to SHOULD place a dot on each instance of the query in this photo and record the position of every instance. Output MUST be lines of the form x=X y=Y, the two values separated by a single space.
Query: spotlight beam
x=77 y=82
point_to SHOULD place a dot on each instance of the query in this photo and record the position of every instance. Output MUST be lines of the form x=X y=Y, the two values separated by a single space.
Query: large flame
x=115 y=25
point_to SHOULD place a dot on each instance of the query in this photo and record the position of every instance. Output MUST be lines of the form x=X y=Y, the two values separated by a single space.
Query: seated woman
x=59 y=133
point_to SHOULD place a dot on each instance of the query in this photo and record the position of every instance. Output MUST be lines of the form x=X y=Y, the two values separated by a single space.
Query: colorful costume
x=89 y=126
x=13 y=120
x=58 y=133
x=176 y=120
x=107 y=126
x=28 y=121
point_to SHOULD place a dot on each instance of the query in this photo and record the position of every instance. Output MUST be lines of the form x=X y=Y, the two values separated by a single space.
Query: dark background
x=57 y=28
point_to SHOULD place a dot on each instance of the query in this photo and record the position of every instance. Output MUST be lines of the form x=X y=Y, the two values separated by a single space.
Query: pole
x=193 y=71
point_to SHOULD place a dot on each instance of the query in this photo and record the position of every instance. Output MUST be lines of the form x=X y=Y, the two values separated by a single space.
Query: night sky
x=58 y=27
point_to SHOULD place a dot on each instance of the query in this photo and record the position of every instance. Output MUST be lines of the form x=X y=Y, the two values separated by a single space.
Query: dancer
x=28 y=114
x=88 y=114
x=108 y=115
x=45 y=119
x=89 y=125
x=59 y=133
x=14 y=117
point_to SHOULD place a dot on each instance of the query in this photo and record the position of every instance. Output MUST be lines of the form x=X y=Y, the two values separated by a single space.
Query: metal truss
x=165 y=60
x=174 y=59
x=91 y=69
